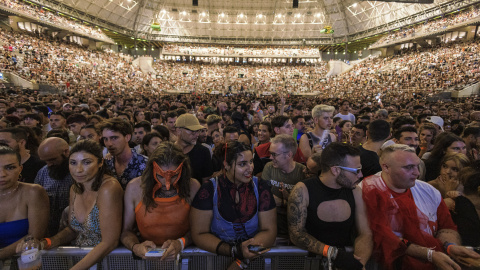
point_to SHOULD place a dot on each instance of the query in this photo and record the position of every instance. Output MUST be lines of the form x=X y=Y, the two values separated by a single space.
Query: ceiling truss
x=251 y=21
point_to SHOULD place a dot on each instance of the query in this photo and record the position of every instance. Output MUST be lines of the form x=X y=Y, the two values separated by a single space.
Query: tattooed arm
x=297 y=217
x=456 y=252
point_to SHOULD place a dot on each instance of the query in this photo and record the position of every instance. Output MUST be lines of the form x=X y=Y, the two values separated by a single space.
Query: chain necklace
x=11 y=191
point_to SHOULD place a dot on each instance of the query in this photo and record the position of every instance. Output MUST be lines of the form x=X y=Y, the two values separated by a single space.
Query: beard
x=344 y=182
x=60 y=171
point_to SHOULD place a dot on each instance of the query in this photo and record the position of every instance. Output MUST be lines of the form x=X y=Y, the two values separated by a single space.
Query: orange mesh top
x=169 y=220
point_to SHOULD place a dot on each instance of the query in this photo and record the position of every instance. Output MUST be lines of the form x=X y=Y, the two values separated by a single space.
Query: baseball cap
x=437 y=120
x=188 y=121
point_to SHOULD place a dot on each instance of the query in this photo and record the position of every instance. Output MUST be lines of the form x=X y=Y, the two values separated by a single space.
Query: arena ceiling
x=265 y=20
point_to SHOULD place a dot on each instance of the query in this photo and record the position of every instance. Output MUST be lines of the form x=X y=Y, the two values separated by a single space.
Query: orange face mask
x=167 y=175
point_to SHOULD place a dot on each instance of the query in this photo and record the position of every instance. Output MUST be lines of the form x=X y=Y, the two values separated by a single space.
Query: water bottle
x=30 y=258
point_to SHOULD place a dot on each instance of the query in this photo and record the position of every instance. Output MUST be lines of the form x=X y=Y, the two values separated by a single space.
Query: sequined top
x=88 y=232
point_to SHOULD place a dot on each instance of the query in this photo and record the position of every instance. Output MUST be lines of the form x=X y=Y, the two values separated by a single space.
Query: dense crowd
x=242 y=51
x=223 y=77
x=54 y=18
x=431 y=25
x=43 y=59
x=197 y=165
x=368 y=170
x=68 y=66
x=422 y=71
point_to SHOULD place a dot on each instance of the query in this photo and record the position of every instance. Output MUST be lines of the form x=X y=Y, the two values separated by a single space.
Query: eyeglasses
x=352 y=170
x=275 y=155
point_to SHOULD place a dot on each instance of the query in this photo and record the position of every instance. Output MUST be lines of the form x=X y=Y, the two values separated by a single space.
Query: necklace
x=11 y=191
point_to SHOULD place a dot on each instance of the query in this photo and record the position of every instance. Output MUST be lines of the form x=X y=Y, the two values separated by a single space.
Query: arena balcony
x=435 y=28
x=232 y=51
x=28 y=18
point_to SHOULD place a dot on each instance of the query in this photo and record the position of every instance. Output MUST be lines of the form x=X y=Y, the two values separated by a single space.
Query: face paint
x=167 y=175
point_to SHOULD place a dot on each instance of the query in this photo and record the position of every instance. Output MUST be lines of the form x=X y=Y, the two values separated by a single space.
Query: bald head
x=53 y=151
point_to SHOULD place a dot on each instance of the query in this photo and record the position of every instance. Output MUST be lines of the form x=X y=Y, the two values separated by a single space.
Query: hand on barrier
x=173 y=248
x=346 y=260
x=465 y=256
x=443 y=261
x=142 y=248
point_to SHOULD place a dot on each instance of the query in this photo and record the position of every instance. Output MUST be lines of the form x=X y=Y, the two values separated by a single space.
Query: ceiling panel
x=268 y=19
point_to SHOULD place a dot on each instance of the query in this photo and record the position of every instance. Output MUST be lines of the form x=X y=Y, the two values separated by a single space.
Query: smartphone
x=256 y=248
x=156 y=252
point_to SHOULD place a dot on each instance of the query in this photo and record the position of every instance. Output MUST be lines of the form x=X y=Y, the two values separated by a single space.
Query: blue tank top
x=233 y=232
x=12 y=231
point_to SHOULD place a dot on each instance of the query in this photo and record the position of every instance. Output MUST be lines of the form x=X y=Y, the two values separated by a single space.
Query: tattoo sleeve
x=297 y=216
x=448 y=236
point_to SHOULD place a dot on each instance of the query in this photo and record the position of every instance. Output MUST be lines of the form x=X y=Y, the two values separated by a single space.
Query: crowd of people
x=45 y=15
x=421 y=71
x=42 y=59
x=279 y=77
x=366 y=172
x=235 y=175
x=298 y=51
x=431 y=25
x=73 y=68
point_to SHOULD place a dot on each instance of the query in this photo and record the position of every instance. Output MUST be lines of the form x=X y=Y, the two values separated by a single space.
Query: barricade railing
x=192 y=258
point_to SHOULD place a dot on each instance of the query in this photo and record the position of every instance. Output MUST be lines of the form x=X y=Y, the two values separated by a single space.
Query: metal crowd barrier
x=192 y=258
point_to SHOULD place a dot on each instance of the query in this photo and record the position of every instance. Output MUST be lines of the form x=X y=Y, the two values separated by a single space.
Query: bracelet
x=182 y=242
x=133 y=246
x=241 y=264
x=449 y=245
x=49 y=243
x=430 y=255
x=237 y=252
x=423 y=148
x=325 y=250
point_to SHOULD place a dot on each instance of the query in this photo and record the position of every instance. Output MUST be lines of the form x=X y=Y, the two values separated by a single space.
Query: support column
x=14 y=20
x=471 y=32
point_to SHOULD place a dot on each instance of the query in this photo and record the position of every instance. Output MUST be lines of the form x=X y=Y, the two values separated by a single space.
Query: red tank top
x=169 y=220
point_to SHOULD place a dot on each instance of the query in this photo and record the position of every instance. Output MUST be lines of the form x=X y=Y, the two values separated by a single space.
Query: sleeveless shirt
x=88 y=232
x=339 y=234
x=12 y=231
x=169 y=220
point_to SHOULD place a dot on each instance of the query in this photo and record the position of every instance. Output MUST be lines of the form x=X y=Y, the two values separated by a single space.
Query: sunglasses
x=352 y=170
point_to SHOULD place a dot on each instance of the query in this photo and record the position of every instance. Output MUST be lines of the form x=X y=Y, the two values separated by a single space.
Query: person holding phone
x=234 y=214
x=157 y=204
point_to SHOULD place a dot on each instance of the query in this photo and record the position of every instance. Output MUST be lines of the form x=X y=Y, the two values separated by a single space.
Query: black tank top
x=339 y=234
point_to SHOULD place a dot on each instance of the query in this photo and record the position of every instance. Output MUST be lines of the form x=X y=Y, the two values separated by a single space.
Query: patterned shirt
x=135 y=168
x=58 y=192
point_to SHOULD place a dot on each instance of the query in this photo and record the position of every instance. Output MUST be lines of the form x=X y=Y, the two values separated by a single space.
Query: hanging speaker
x=295 y=3
x=195 y=3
